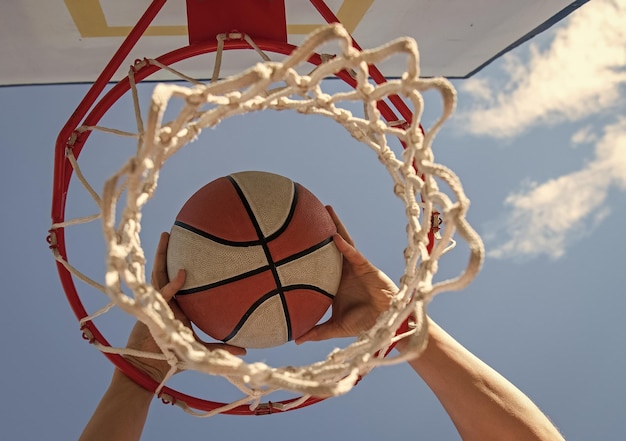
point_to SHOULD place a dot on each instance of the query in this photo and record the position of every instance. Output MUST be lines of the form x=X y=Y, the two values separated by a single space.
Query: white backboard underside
x=40 y=41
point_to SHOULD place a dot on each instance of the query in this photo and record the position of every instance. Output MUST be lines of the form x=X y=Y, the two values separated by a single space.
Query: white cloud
x=584 y=136
x=579 y=74
x=546 y=217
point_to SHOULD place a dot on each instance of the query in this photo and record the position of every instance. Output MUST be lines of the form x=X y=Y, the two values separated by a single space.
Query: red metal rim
x=64 y=175
x=92 y=109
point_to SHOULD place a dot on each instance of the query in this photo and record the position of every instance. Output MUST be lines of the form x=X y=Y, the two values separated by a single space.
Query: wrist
x=402 y=346
x=124 y=385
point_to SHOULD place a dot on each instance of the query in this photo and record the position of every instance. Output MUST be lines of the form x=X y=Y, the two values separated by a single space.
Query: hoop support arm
x=61 y=167
x=376 y=74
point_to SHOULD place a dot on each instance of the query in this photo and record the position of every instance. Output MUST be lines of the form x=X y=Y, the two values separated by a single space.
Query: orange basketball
x=261 y=265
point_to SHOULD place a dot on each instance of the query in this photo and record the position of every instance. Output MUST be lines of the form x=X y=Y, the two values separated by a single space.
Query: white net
x=279 y=86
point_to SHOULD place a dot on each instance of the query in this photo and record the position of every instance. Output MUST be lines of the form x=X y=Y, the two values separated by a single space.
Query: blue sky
x=539 y=141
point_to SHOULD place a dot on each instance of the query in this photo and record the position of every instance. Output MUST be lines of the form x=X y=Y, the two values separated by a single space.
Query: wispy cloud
x=544 y=218
x=581 y=73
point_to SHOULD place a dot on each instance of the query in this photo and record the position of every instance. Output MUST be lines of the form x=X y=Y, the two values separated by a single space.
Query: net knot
x=139 y=64
x=87 y=334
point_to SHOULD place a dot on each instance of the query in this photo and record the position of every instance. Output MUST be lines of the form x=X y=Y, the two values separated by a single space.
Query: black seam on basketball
x=263 y=242
x=223 y=281
x=310 y=288
x=249 y=312
x=292 y=209
x=216 y=238
x=303 y=253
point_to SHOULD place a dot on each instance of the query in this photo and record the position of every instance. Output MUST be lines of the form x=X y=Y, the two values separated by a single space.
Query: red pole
x=62 y=167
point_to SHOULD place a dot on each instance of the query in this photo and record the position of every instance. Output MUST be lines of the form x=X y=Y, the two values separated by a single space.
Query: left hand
x=140 y=337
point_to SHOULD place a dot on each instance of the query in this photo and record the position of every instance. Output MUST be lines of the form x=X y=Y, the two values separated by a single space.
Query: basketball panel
x=217 y=209
x=320 y=268
x=269 y=196
x=306 y=307
x=206 y=261
x=265 y=327
x=310 y=225
x=218 y=311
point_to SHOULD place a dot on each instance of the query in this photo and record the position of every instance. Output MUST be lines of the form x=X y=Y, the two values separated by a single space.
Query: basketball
x=261 y=266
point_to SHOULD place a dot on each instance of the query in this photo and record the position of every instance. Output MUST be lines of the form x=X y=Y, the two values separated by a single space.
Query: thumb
x=170 y=290
x=320 y=332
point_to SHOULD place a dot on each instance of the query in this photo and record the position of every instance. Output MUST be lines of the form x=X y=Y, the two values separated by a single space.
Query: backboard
x=70 y=41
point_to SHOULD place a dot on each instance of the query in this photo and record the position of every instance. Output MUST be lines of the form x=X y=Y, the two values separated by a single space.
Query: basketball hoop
x=415 y=176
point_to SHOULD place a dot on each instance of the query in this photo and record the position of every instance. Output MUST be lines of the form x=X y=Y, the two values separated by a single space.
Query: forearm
x=482 y=404
x=121 y=414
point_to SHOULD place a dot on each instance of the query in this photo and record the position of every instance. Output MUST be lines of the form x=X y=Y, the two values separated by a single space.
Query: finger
x=171 y=288
x=159 y=269
x=234 y=350
x=350 y=253
x=321 y=332
x=341 y=229
x=178 y=313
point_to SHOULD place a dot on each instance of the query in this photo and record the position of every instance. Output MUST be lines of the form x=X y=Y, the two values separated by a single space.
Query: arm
x=482 y=404
x=122 y=412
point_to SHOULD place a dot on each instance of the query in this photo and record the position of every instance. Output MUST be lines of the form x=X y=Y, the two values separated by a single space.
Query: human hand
x=364 y=292
x=140 y=337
